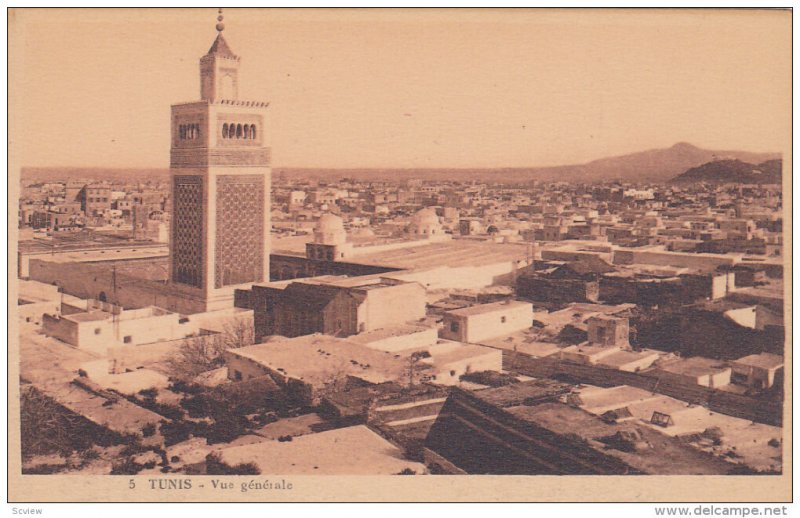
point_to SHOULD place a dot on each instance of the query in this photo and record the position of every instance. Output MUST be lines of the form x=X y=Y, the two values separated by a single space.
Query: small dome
x=330 y=223
x=425 y=217
x=425 y=223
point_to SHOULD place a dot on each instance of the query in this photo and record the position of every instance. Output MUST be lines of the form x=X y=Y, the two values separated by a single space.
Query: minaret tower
x=220 y=172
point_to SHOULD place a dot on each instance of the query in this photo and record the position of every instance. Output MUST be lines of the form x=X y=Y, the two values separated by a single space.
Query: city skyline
x=618 y=319
x=382 y=89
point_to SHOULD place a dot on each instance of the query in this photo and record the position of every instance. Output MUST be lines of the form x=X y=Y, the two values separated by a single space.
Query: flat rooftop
x=523 y=393
x=664 y=455
x=598 y=400
x=621 y=358
x=480 y=309
x=453 y=253
x=121 y=416
x=446 y=351
x=750 y=439
x=95 y=315
x=108 y=253
x=389 y=332
x=762 y=360
x=695 y=366
x=524 y=342
x=317 y=358
x=354 y=450
x=578 y=314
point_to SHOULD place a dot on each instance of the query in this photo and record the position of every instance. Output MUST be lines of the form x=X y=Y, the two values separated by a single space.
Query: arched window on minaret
x=180 y=131
x=253 y=131
x=196 y=131
x=238 y=131
x=225 y=130
x=246 y=131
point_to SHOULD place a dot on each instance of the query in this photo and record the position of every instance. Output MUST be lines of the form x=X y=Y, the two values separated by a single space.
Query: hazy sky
x=406 y=89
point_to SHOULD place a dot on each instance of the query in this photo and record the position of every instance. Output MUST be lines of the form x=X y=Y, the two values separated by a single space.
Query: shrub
x=182 y=386
x=216 y=466
x=88 y=455
x=133 y=449
x=176 y=432
x=44 y=469
x=126 y=467
x=149 y=393
x=47 y=428
x=490 y=378
x=226 y=428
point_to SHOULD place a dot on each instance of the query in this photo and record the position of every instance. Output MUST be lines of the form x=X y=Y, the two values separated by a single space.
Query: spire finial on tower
x=220 y=25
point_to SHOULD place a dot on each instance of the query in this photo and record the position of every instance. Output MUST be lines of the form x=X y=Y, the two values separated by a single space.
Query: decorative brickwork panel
x=240 y=230
x=187 y=237
x=220 y=157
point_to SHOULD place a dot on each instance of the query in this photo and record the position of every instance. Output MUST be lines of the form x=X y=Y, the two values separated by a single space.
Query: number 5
x=131 y=484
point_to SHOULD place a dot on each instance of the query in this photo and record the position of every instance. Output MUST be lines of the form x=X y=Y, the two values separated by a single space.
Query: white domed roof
x=425 y=223
x=425 y=217
x=330 y=223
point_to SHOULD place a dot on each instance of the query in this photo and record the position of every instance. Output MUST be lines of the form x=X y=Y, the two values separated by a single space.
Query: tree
x=196 y=355
x=238 y=333
x=199 y=354
x=413 y=368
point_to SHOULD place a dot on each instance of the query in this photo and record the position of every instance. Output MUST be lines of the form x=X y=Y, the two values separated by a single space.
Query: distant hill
x=733 y=171
x=655 y=165
x=661 y=165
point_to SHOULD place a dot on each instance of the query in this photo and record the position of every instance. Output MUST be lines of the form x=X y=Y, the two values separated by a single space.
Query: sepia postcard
x=399 y=255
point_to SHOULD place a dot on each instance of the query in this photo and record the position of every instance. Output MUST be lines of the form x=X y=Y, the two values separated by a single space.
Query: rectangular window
x=454 y=327
x=127 y=339
x=237 y=375
x=97 y=330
